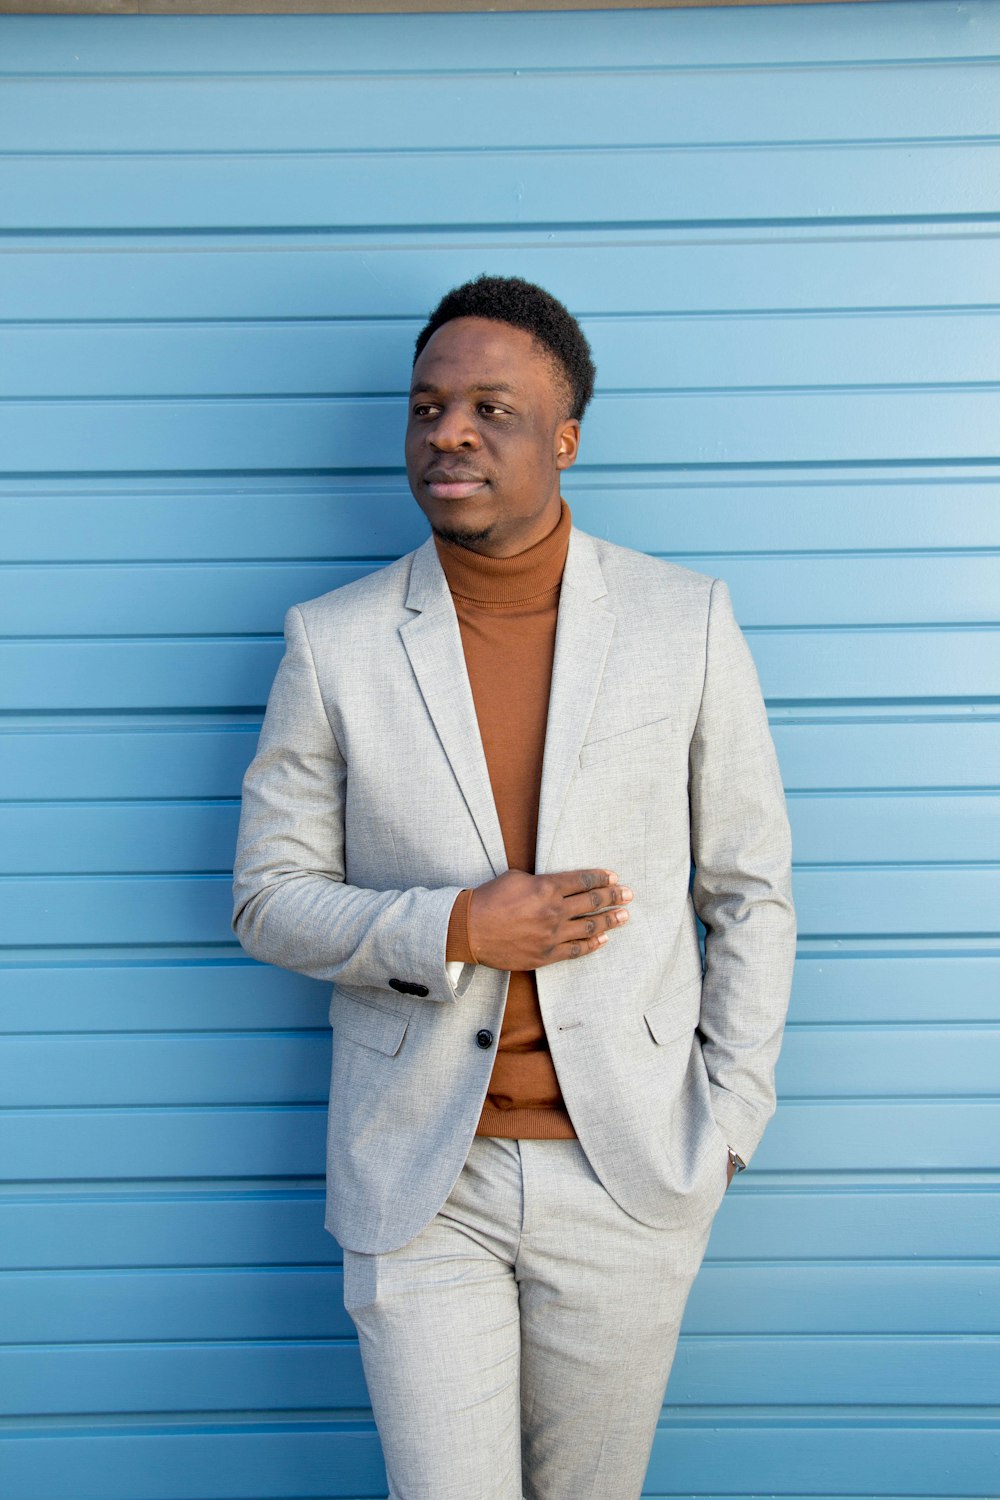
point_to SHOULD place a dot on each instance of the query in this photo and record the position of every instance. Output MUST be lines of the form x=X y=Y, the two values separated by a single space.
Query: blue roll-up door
x=219 y=237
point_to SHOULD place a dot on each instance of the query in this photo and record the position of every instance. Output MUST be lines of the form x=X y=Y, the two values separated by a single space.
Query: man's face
x=488 y=436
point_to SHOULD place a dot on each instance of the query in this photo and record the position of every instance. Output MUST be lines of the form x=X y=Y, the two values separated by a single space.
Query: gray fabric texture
x=368 y=807
x=531 y=1322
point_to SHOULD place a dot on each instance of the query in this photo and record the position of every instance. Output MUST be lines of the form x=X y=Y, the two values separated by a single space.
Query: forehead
x=480 y=354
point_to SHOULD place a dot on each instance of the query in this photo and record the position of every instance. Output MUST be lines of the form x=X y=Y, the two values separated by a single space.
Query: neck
x=502 y=581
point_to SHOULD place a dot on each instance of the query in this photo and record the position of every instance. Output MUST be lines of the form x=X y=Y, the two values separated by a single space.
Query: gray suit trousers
x=520 y=1345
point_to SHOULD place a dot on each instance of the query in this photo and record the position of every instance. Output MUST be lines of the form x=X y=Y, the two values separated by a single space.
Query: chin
x=472 y=537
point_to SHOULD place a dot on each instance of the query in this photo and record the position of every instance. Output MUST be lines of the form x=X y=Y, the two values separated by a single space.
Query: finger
x=602 y=899
x=604 y=922
x=577 y=948
x=572 y=882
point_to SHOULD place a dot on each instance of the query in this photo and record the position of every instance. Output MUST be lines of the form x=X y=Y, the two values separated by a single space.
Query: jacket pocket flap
x=624 y=741
x=368 y=1025
x=671 y=1018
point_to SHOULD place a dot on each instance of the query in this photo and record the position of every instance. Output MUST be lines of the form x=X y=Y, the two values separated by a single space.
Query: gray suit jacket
x=368 y=807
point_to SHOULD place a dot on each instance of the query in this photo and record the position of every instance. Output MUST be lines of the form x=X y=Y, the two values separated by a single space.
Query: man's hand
x=521 y=921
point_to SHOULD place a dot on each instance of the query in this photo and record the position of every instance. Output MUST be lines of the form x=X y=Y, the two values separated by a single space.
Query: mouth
x=443 y=485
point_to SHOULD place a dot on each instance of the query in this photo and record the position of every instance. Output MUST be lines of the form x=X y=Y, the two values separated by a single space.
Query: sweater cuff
x=458 y=949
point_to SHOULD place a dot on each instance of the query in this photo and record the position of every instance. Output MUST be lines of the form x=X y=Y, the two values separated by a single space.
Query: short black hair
x=522 y=304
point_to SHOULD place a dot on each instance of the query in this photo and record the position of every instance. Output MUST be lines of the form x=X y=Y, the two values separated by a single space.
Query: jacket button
x=400 y=985
x=484 y=1038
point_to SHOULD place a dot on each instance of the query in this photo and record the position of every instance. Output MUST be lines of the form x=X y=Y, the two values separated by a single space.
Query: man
x=496 y=783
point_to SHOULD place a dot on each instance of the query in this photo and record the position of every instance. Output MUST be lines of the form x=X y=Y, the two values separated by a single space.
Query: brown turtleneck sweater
x=507 y=609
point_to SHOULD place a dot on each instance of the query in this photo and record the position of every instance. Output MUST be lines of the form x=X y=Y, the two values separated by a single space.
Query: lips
x=447 y=484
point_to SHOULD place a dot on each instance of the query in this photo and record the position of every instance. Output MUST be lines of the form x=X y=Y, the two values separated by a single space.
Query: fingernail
x=612 y=878
x=602 y=937
x=622 y=916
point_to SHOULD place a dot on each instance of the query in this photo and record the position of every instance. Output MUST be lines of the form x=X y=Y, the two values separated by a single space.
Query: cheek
x=535 y=453
x=412 y=448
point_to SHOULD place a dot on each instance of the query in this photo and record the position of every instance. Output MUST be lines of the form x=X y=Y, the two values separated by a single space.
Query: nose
x=453 y=430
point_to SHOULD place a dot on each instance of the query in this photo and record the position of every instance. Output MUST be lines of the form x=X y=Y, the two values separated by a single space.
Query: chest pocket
x=641 y=741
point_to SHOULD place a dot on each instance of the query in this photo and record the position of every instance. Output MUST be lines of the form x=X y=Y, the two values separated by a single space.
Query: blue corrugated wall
x=219 y=237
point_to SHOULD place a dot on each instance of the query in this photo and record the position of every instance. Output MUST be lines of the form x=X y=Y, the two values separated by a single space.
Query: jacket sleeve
x=741 y=851
x=292 y=904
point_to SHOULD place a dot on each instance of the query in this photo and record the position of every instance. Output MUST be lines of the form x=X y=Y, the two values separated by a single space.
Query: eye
x=424 y=409
x=491 y=409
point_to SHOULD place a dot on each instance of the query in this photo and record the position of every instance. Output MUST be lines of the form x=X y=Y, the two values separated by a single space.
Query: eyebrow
x=487 y=387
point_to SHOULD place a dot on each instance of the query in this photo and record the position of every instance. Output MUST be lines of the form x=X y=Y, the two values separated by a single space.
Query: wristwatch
x=738 y=1164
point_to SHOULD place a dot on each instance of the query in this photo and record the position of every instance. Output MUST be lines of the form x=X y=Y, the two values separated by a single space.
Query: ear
x=567 y=443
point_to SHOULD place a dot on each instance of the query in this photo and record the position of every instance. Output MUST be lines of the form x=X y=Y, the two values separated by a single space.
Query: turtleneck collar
x=502 y=581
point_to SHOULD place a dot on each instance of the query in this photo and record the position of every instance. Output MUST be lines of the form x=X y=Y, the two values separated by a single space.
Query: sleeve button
x=407 y=987
x=484 y=1038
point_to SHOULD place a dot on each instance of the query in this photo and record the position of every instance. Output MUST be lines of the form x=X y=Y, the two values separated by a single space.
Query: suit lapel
x=434 y=647
x=583 y=635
